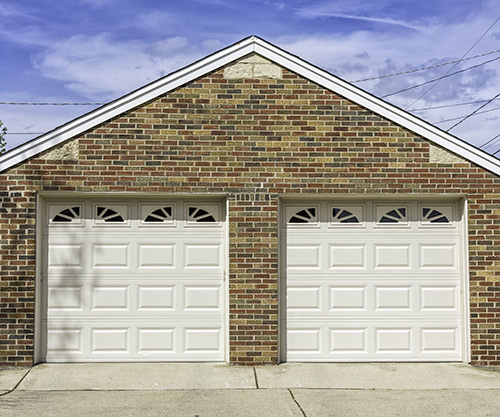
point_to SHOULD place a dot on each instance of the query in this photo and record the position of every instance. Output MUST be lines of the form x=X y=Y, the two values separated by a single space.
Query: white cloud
x=101 y=68
x=158 y=21
x=385 y=20
x=168 y=46
x=354 y=10
x=95 y=4
x=8 y=10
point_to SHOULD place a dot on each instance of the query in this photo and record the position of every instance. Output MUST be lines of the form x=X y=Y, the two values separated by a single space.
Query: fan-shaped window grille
x=160 y=215
x=307 y=215
x=109 y=215
x=394 y=216
x=198 y=215
x=343 y=216
x=67 y=215
x=433 y=216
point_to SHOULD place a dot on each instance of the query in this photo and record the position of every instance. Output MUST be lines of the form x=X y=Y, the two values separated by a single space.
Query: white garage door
x=134 y=281
x=372 y=281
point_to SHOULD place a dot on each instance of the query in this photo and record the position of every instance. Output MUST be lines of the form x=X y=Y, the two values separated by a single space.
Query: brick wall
x=252 y=139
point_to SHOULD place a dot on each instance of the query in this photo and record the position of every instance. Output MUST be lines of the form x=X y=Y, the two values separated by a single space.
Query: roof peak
x=250 y=44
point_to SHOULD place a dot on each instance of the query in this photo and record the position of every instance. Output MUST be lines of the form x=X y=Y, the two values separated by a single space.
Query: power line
x=444 y=106
x=485 y=144
x=440 y=78
x=461 y=117
x=451 y=69
x=425 y=68
x=26 y=133
x=49 y=104
x=474 y=112
x=493 y=154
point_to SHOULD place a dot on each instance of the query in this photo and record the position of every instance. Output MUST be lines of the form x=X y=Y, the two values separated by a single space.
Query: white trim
x=226 y=282
x=464 y=236
x=281 y=288
x=225 y=56
x=40 y=248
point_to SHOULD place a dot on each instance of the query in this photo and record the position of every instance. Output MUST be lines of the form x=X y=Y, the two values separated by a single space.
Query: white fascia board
x=389 y=111
x=125 y=103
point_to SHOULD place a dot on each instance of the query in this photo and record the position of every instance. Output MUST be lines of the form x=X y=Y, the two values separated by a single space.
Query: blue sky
x=98 y=50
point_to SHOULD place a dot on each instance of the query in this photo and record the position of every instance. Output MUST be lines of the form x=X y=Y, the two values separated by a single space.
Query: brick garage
x=254 y=125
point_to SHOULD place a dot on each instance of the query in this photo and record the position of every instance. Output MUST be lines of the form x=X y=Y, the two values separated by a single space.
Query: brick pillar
x=253 y=279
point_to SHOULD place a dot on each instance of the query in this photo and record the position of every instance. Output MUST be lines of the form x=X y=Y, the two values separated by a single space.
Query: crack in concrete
x=296 y=402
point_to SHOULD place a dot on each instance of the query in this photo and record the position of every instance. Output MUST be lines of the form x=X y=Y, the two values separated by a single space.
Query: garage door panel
x=370 y=292
x=438 y=256
x=66 y=256
x=156 y=341
x=156 y=297
x=110 y=298
x=444 y=297
x=392 y=256
x=136 y=288
x=65 y=298
x=160 y=255
x=348 y=298
x=304 y=256
x=110 y=256
x=198 y=256
x=304 y=297
x=347 y=256
x=348 y=340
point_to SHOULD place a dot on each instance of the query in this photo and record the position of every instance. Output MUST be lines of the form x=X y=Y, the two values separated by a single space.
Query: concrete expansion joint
x=18 y=383
x=255 y=376
x=296 y=402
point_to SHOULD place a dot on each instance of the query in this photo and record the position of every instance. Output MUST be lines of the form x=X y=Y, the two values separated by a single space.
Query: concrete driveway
x=221 y=390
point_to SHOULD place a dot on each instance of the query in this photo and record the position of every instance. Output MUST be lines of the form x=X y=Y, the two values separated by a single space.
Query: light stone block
x=267 y=71
x=253 y=67
x=441 y=156
x=67 y=152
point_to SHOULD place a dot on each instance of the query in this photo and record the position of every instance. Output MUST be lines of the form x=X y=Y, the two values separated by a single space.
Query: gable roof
x=252 y=44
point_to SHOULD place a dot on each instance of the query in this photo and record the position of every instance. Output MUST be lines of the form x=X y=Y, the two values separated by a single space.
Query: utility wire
x=440 y=78
x=27 y=133
x=472 y=114
x=50 y=104
x=425 y=68
x=493 y=154
x=451 y=69
x=444 y=106
x=461 y=117
x=487 y=143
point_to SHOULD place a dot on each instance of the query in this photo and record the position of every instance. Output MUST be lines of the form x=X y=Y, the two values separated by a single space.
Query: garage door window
x=160 y=215
x=201 y=215
x=306 y=215
x=431 y=215
x=68 y=215
x=108 y=215
x=397 y=215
